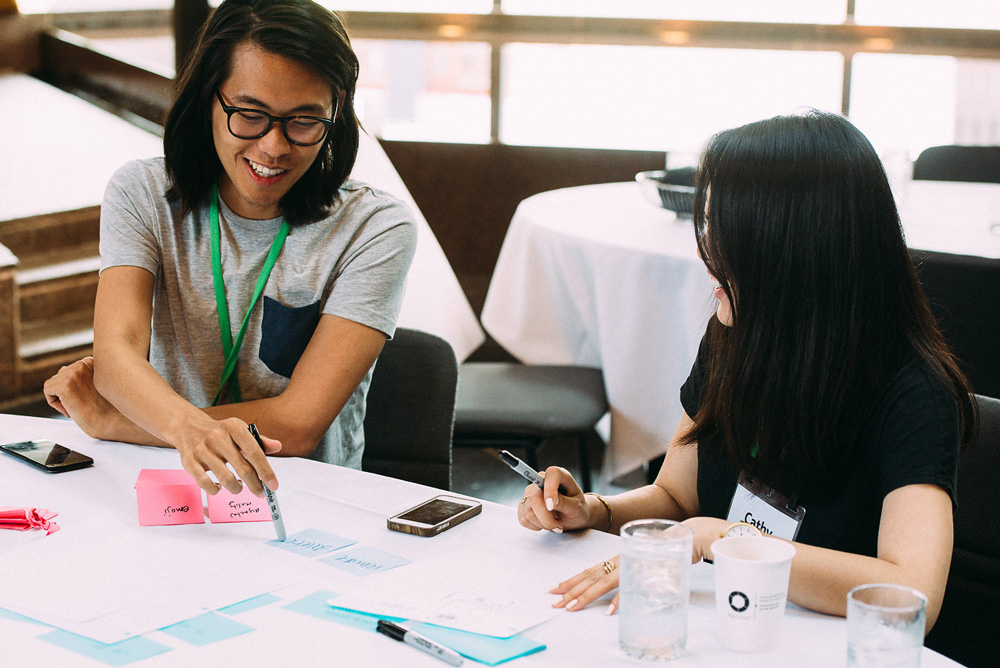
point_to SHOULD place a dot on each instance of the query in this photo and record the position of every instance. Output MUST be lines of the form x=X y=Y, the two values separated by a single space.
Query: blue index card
x=206 y=629
x=116 y=654
x=249 y=604
x=315 y=605
x=312 y=542
x=8 y=614
x=485 y=649
x=364 y=560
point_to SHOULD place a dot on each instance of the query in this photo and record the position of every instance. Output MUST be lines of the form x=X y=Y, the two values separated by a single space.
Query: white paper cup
x=751 y=587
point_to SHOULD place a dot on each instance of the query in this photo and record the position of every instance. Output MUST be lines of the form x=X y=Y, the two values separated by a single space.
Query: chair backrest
x=970 y=617
x=979 y=164
x=964 y=292
x=411 y=410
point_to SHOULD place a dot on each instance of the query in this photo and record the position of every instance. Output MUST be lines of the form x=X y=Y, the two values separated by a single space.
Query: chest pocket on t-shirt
x=285 y=333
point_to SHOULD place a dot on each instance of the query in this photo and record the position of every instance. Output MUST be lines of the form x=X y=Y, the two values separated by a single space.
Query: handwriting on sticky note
x=168 y=496
x=312 y=542
x=242 y=507
x=365 y=560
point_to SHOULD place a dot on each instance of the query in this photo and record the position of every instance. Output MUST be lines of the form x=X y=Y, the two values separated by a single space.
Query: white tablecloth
x=284 y=638
x=598 y=276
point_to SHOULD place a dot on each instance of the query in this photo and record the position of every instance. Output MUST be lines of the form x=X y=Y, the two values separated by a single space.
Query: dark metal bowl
x=672 y=190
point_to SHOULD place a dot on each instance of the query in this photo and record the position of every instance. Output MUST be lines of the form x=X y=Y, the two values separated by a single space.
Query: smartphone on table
x=48 y=456
x=435 y=515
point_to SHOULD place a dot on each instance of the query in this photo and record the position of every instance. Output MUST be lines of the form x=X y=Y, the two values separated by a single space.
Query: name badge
x=765 y=508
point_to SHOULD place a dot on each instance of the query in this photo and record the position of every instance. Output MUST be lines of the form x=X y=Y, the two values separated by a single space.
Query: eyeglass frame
x=271 y=120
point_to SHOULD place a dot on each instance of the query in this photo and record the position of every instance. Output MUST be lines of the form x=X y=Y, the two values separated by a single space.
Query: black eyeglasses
x=253 y=124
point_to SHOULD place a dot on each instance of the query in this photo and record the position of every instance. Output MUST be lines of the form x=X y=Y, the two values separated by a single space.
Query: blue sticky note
x=7 y=614
x=312 y=542
x=249 y=604
x=364 y=560
x=315 y=605
x=206 y=629
x=484 y=649
x=116 y=654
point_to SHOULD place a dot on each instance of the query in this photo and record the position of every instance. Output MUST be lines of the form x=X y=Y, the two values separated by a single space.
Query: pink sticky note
x=242 y=507
x=168 y=496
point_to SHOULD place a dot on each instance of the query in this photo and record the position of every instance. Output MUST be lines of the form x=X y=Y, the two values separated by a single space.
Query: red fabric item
x=23 y=519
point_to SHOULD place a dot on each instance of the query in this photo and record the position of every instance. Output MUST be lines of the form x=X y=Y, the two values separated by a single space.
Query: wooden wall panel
x=468 y=193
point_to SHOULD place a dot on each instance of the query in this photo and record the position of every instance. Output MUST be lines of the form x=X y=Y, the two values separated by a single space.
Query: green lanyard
x=230 y=351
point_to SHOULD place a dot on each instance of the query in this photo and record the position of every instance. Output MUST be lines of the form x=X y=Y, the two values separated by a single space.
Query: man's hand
x=71 y=392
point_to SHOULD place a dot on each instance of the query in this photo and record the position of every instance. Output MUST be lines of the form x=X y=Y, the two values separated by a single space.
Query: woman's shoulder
x=917 y=398
x=918 y=380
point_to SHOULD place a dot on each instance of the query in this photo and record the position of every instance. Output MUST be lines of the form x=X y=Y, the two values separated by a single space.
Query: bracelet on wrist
x=607 y=509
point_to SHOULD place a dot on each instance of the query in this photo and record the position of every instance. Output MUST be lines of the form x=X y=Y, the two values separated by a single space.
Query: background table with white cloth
x=338 y=500
x=598 y=276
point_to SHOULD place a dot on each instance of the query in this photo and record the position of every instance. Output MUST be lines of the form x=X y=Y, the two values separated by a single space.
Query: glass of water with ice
x=654 y=586
x=885 y=626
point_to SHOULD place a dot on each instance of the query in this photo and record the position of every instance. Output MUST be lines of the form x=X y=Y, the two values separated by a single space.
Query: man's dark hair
x=300 y=30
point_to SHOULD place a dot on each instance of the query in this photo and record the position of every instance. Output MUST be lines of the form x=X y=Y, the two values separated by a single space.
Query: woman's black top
x=911 y=437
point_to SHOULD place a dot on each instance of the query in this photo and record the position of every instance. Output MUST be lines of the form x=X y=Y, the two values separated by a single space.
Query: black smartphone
x=48 y=456
x=434 y=516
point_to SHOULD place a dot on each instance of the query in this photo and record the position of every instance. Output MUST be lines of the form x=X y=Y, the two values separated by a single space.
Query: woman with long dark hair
x=822 y=380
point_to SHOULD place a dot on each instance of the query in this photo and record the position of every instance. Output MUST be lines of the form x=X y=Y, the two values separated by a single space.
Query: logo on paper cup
x=739 y=601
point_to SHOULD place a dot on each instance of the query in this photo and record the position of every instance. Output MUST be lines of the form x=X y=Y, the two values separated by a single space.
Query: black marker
x=424 y=644
x=272 y=498
x=529 y=474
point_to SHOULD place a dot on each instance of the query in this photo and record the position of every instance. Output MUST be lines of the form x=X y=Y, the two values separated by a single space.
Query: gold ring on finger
x=608 y=566
x=524 y=500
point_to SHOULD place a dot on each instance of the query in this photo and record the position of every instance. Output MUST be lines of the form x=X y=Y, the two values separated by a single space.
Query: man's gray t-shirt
x=351 y=264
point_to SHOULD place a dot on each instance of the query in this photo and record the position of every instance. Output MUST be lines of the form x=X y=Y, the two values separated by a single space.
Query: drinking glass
x=655 y=584
x=885 y=626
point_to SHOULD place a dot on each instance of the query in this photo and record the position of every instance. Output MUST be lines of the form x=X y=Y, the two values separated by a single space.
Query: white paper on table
x=500 y=593
x=110 y=582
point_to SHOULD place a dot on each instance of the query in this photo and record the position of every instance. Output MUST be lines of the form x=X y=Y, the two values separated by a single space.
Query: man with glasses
x=244 y=277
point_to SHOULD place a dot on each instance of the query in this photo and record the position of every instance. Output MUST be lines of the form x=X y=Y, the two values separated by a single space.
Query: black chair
x=506 y=404
x=980 y=164
x=970 y=617
x=411 y=410
x=964 y=292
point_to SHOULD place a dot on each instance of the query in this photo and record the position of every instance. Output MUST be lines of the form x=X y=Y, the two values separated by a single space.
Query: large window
x=784 y=11
x=654 y=98
x=929 y=13
x=651 y=74
x=427 y=91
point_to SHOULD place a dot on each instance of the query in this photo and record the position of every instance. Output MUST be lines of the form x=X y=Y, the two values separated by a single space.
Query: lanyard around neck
x=230 y=350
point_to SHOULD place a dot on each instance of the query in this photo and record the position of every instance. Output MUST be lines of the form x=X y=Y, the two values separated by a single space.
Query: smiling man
x=244 y=277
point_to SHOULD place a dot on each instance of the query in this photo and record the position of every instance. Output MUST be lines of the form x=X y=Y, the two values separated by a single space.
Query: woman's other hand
x=588 y=586
x=706 y=531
